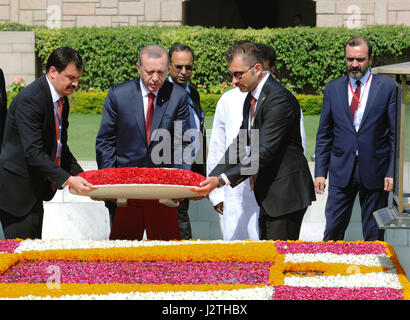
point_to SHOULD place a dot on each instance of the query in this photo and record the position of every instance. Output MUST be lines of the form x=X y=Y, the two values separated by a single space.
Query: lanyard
x=354 y=93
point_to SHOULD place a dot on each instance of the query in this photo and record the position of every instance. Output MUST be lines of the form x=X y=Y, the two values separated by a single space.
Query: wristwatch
x=221 y=181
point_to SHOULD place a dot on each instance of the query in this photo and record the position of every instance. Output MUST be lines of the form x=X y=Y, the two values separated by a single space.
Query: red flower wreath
x=135 y=175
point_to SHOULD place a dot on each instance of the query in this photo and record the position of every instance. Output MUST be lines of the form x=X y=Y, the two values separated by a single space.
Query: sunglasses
x=238 y=74
x=180 y=67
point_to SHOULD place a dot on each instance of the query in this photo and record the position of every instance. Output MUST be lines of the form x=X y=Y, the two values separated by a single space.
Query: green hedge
x=92 y=102
x=307 y=58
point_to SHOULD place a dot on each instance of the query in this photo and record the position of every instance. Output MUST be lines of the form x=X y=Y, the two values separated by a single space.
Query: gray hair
x=153 y=51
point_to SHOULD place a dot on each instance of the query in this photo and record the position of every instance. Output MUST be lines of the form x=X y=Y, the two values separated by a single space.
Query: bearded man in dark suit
x=274 y=161
x=35 y=158
x=355 y=143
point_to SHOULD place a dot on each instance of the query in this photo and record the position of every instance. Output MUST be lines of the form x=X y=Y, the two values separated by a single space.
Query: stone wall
x=17 y=57
x=360 y=13
x=69 y=13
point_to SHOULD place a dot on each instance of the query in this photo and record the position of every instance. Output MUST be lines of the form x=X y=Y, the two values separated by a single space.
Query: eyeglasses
x=180 y=67
x=238 y=74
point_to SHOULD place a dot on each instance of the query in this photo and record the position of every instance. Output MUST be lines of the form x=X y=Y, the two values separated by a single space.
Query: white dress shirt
x=55 y=96
x=145 y=92
x=365 y=83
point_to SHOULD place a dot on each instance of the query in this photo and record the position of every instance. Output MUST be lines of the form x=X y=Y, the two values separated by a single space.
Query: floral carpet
x=173 y=270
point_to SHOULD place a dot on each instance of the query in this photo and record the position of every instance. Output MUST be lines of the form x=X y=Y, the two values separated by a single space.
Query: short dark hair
x=358 y=41
x=62 y=56
x=180 y=47
x=247 y=49
x=268 y=53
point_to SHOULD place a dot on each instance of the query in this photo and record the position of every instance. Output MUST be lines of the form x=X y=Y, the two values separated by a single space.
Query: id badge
x=59 y=147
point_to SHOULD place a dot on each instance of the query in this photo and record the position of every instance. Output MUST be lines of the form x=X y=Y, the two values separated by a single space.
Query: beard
x=356 y=73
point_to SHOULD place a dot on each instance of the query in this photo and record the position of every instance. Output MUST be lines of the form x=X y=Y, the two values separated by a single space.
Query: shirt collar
x=257 y=91
x=172 y=81
x=145 y=91
x=363 y=79
x=54 y=94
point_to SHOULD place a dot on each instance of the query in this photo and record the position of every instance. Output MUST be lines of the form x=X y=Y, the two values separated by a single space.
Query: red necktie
x=253 y=105
x=355 y=100
x=58 y=120
x=150 y=114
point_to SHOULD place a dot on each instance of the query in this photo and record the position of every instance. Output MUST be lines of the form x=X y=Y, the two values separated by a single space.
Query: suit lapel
x=246 y=108
x=371 y=98
x=344 y=98
x=195 y=101
x=51 y=121
x=260 y=101
x=136 y=100
x=262 y=96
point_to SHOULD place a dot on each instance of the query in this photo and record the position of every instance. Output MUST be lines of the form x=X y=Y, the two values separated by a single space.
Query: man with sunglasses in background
x=283 y=184
x=181 y=59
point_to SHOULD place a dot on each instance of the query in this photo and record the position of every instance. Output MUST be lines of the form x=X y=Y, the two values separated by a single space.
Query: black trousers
x=285 y=227
x=183 y=220
x=27 y=227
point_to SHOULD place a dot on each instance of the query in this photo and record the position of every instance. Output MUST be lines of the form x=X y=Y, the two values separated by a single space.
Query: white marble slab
x=85 y=221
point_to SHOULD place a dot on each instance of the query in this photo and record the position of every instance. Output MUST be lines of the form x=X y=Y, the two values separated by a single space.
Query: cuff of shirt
x=217 y=196
x=225 y=178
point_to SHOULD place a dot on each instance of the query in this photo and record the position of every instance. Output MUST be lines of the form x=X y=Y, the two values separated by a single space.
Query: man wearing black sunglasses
x=181 y=60
x=283 y=184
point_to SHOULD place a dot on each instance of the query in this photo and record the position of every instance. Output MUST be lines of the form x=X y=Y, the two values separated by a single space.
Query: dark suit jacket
x=27 y=166
x=283 y=183
x=121 y=140
x=199 y=164
x=337 y=139
x=3 y=105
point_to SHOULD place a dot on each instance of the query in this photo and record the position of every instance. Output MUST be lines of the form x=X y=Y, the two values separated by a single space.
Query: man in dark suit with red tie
x=274 y=160
x=135 y=115
x=354 y=143
x=35 y=158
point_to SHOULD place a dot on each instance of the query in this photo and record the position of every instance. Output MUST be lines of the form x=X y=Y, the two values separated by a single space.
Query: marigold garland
x=42 y=290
